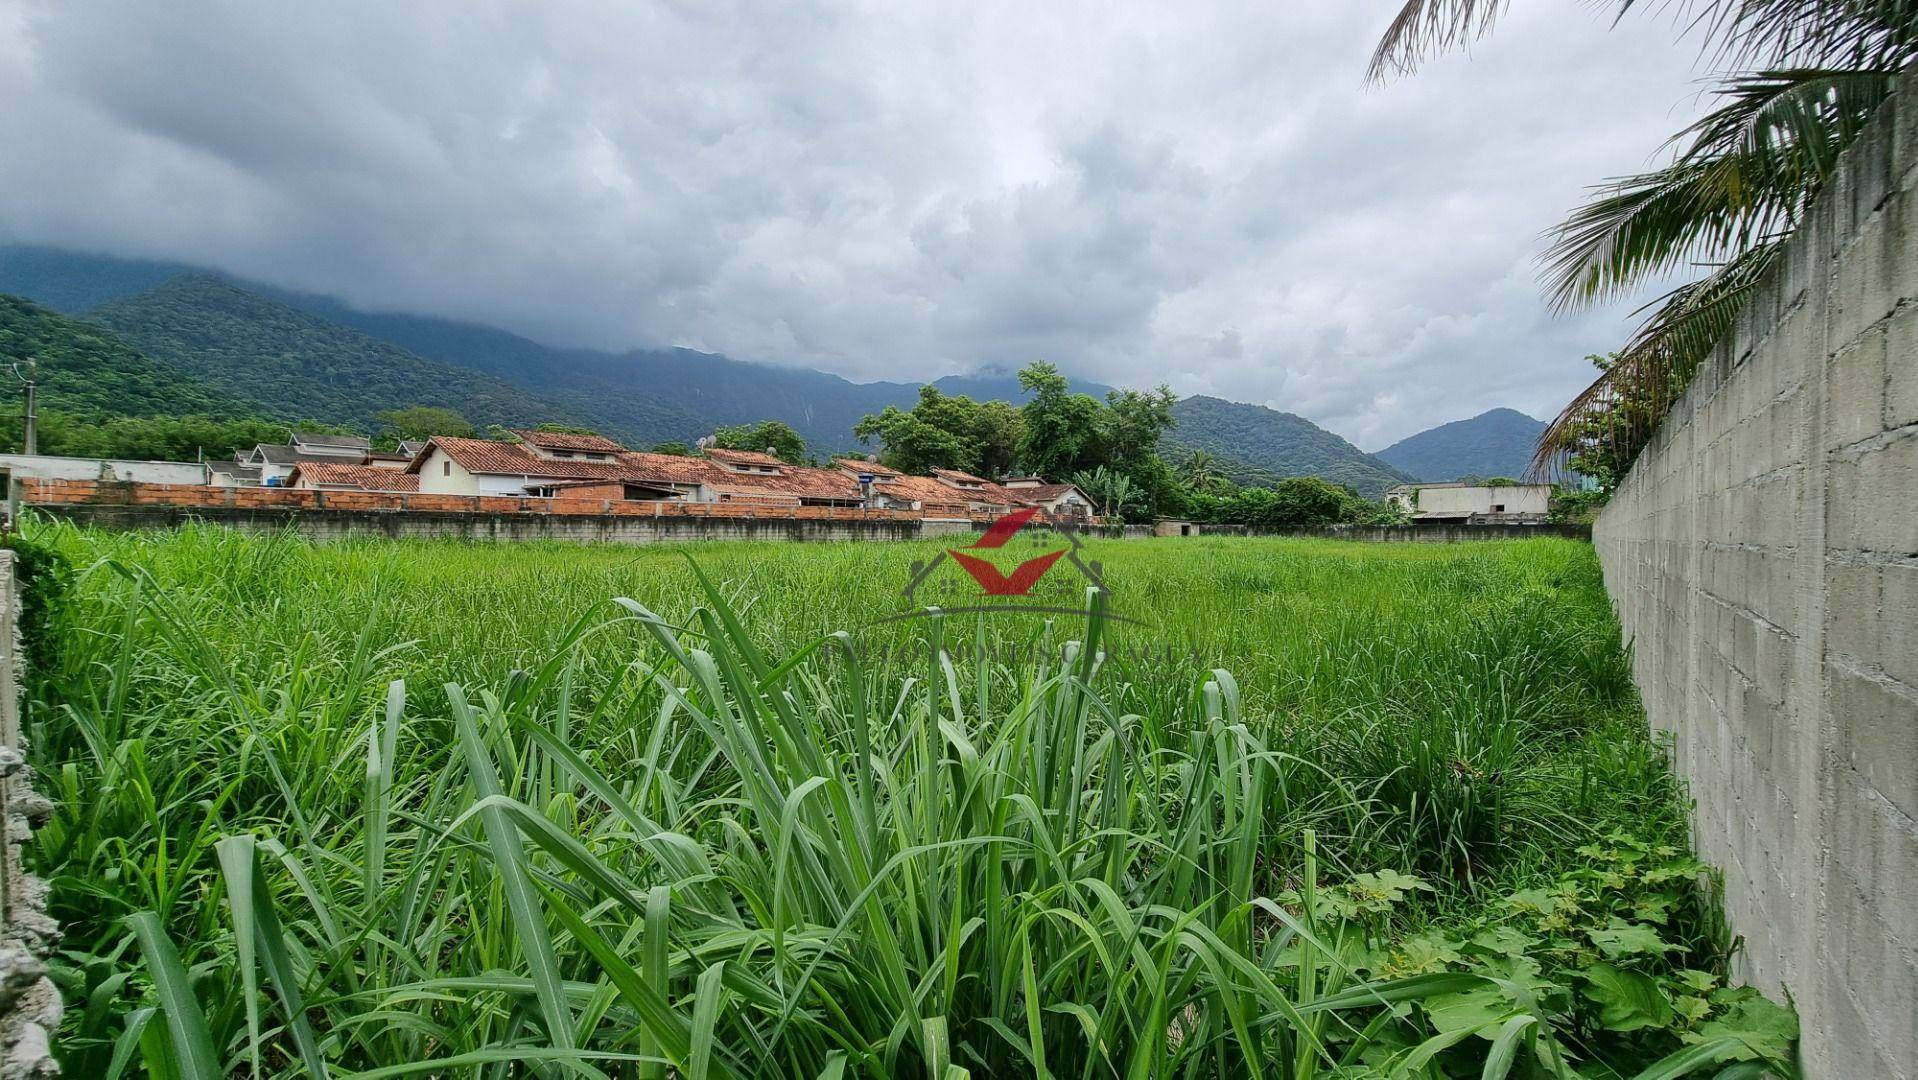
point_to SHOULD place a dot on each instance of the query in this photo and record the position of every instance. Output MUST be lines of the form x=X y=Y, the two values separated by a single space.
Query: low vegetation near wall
x=1763 y=553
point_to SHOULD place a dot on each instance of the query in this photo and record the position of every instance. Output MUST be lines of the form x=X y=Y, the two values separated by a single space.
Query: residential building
x=348 y=448
x=568 y=446
x=341 y=476
x=452 y=466
x=275 y=462
x=947 y=492
x=232 y=474
x=1058 y=500
x=1504 y=504
x=589 y=466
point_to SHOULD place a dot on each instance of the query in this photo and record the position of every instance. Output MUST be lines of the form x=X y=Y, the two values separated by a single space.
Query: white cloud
x=1203 y=194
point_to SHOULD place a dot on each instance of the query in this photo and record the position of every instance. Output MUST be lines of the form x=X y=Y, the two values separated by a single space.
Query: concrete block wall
x=29 y=1005
x=1763 y=557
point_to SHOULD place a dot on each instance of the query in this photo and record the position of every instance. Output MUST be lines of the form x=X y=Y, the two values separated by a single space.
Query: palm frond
x=1736 y=33
x=1744 y=174
x=1808 y=33
x=1607 y=423
x=1423 y=28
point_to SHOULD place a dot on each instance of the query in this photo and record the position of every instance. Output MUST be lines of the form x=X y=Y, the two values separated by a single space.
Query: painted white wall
x=51 y=467
x=1518 y=499
x=441 y=475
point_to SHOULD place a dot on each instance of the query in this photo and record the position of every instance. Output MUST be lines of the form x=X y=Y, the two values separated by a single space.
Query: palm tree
x=1113 y=492
x=1738 y=184
x=1200 y=470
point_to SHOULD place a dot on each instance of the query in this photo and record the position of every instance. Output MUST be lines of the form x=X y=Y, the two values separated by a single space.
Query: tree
x=1739 y=182
x=775 y=437
x=674 y=447
x=1134 y=422
x=945 y=431
x=1202 y=471
x=1064 y=432
x=157 y=438
x=1602 y=437
x=1307 y=500
x=421 y=422
x=1112 y=492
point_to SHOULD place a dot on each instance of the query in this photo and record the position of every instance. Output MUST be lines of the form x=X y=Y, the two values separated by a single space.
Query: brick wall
x=1763 y=555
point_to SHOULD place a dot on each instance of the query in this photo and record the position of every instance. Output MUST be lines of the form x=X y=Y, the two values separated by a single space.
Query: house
x=275 y=462
x=947 y=492
x=454 y=466
x=341 y=476
x=750 y=476
x=232 y=474
x=568 y=446
x=347 y=448
x=1476 y=504
x=555 y=464
x=1058 y=500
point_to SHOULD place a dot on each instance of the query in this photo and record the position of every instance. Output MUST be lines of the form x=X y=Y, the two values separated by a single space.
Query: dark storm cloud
x=1199 y=194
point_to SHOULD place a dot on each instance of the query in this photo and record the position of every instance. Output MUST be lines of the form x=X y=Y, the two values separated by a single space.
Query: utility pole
x=31 y=441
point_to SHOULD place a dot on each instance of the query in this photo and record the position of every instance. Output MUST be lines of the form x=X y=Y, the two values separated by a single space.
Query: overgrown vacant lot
x=427 y=808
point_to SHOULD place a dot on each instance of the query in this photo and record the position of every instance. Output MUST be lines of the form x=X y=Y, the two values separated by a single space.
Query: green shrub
x=43 y=575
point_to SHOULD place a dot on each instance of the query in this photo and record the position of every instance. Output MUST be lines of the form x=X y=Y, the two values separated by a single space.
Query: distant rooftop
x=339 y=442
x=566 y=440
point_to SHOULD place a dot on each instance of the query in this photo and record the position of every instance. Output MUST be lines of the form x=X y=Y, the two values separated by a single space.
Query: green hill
x=273 y=360
x=1495 y=443
x=1260 y=445
x=85 y=370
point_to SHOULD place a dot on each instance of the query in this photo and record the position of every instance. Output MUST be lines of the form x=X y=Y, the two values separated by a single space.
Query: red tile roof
x=673 y=469
x=745 y=457
x=861 y=465
x=958 y=477
x=563 y=440
x=1039 y=493
x=511 y=459
x=802 y=481
x=363 y=477
x=933 y=494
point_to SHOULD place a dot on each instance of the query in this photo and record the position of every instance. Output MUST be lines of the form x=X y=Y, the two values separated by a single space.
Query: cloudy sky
x=1204 y=194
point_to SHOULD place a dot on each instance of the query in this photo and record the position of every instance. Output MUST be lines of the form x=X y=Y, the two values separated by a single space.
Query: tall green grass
x=434 y=809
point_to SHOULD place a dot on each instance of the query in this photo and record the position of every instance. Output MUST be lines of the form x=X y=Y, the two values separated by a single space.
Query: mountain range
x=290 y=355
x=1495 y=443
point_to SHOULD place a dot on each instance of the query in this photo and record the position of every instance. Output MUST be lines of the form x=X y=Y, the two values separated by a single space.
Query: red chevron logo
x=1024 y=576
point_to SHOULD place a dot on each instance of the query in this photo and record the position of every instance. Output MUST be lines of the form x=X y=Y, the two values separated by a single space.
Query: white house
x=1507 y=504
x=449 y=466
x=1059 y=500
